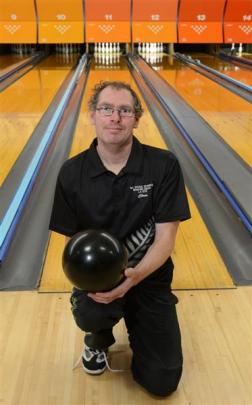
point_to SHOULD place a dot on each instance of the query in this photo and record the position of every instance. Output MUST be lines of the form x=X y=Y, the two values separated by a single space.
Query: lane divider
x=236 y=59
x=13 y=213
x=235 y=82
x=221 y=185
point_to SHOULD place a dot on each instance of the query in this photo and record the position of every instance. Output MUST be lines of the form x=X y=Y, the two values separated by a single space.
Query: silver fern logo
x=139 y=242
x=142 y=190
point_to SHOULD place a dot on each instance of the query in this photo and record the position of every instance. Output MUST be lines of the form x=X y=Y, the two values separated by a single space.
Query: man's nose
x=116 y=115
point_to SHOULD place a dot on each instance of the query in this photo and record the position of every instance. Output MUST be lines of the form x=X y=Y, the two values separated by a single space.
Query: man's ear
x=136 y=122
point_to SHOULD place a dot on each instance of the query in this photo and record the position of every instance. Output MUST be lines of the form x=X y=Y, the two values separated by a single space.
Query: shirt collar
x=95 y=165
x=133 y=165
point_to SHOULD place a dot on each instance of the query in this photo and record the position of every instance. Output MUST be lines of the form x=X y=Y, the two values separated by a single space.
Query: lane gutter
x=237 y=87
x=16 y=203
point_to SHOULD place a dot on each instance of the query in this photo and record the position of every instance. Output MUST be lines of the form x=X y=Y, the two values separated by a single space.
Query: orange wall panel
x=238 y=21
x=107 y=10
x=100 y=31
x=61 y=33
x=21 y=32
x=158 y=10
x=238 y=10
x=16 y=10
x=238 y=32
x=201 y=10
x=60 y=21
x=154 y=32
x=60 y=10
x=191 y=32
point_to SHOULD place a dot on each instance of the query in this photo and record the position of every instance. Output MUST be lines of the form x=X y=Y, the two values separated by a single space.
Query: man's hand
x=155 y=257
x=132 y=278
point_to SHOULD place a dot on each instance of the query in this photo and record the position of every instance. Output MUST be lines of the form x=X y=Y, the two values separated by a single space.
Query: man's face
x=114 y=129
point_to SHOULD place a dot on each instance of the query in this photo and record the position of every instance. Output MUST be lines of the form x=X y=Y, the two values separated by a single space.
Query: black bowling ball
x=94 y=260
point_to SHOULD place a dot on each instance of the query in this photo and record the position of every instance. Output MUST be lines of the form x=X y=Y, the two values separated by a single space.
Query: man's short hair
x=93 y=101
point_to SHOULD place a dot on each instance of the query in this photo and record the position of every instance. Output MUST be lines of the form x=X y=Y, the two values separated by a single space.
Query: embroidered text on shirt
x=142 y=190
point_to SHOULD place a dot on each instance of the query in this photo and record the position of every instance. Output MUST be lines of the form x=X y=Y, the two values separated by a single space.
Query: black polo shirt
x=148 y=190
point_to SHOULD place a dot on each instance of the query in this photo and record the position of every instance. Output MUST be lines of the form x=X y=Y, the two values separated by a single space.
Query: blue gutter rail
x=13 y=213
x=197 y=62
x=221 y=185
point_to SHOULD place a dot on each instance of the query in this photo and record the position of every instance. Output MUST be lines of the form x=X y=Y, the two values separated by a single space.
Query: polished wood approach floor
x=40 y=343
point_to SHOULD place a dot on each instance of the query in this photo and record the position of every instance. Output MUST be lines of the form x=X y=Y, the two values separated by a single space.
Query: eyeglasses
x=123 y=111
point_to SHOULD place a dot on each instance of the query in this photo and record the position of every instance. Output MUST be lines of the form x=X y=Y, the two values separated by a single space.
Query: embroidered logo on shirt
x=142 y=190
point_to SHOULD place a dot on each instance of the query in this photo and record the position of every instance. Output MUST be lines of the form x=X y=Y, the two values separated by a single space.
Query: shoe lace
x=102 y=355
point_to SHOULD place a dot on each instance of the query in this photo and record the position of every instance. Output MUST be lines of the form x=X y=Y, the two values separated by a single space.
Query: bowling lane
x=198 y=263
x=239 y=73
x=247 y=56
x=22 y=105
x=228 y=114
x=8 y=60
